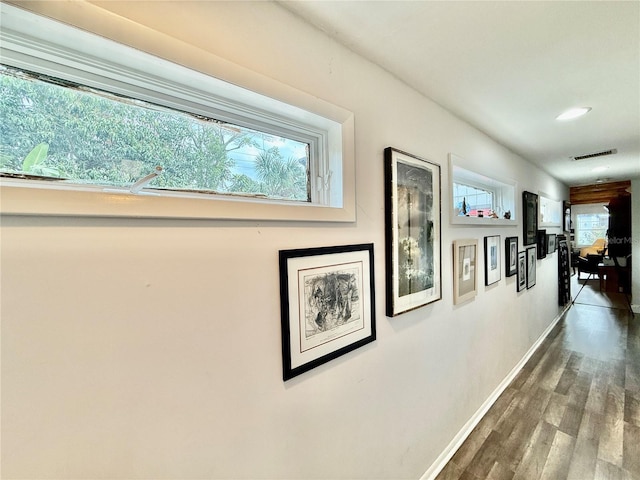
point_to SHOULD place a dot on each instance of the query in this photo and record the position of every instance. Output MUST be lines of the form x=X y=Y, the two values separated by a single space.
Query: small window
x=476 y=198
x=472 y=201
x=80 y=132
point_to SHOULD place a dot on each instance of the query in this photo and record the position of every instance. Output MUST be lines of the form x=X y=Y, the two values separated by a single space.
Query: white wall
x=151 y=348
x=635 y=245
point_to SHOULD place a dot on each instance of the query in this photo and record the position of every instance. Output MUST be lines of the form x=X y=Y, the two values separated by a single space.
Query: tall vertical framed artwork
x=413 y=231
x=529 y=218
x=511 y=256
x=566 y=209
x=541 y=244
x=522 y=271
x=492 y=270
x=465 y=270
x=564 y=271
x=531 y=266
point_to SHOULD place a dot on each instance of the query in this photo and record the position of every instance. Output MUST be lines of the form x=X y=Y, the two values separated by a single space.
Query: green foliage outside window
x=85 y=136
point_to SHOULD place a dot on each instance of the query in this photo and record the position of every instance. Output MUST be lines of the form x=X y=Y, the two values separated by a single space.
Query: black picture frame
x=541 y=244
x=564 y=271
x=492 y=256
x=413 y=232
x=531 y=266
x=530 y=218
x=327 y=304
x=522 y=271
x=510 y=256
x=551 y=243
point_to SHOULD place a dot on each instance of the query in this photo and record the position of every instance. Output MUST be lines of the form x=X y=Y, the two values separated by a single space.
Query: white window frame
x=549 y=211
x=503 y=194
x=36 y=43
x=585 y=209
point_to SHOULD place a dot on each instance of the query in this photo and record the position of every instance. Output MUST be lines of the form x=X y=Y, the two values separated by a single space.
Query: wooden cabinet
x=619 y=233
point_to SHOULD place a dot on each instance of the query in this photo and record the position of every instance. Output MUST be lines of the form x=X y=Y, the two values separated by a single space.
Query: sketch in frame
x=551 y=243
x=522 y=271
x=511 y=256
x=492 y=270
x=413 y=226
x=327 y=304
x=531 y=267
x=465 y=270
x=530 y=218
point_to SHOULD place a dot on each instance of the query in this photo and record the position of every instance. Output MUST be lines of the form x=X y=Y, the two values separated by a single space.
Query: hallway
x=573 y=411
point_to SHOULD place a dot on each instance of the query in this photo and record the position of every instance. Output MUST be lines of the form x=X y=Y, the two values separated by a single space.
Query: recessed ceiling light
x=573 y=113
x=600 y=169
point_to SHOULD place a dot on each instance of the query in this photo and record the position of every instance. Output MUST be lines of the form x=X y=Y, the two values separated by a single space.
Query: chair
x=589 y=264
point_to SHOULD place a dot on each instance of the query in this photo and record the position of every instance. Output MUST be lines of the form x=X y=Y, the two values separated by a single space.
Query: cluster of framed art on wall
x=328 y=293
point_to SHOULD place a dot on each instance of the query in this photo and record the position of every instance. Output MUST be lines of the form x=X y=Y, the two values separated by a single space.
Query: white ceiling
x=510 y=67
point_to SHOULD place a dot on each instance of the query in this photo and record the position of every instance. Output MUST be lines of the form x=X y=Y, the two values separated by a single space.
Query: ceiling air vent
x=596 y=154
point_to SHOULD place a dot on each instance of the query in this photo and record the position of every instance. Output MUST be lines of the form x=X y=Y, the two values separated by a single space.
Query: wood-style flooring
x=573 y=411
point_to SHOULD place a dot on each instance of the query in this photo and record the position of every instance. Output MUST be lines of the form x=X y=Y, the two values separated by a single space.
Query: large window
x=52 y=129
x=591 y=224
x=84 y=119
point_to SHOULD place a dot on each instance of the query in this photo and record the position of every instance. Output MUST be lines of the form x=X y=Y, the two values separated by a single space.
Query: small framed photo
x=413 y=246
x=465 y=271
x=530 y=218
x=551 y=243
x=492 y=269
x=327 y=304
x=511 y=256
x=522 y=271
x=531 y=267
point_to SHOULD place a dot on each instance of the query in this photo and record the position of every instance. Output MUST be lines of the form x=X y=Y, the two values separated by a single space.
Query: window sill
x=484 y=221
x=31 y=198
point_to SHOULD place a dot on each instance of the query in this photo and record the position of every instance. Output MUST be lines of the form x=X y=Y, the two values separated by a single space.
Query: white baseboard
x=466 y=430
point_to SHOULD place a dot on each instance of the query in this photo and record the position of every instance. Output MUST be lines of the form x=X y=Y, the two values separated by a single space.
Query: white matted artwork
x=522 y=271
x=465 y=270
x=531 y=267
x=492 y=272
x=327 y=298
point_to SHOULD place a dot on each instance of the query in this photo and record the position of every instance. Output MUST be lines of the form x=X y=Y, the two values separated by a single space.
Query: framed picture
x=492 y=269
x=549 y=211
x=465 y=271
x=413 y=248
x=531 y=267
x=566 y=208
x=541 y=244
x=551 y=243
x=511 y=256
x=530 y=217
x=327 y=304
x=522 y=271
x=564 y=271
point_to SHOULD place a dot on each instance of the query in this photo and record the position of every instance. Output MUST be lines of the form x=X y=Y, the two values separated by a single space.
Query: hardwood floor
x=573 y=411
